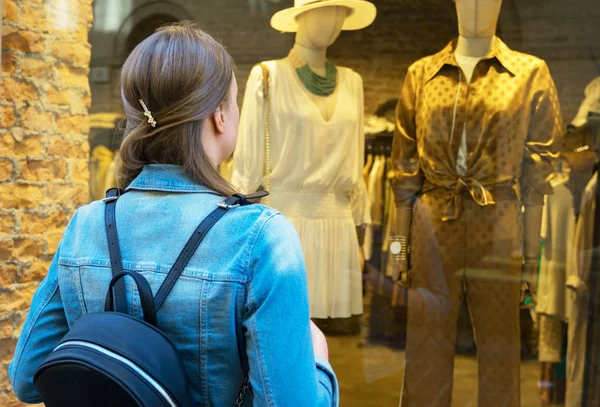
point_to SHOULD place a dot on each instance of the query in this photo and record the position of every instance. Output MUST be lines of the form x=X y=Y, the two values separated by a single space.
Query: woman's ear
x=219 y=119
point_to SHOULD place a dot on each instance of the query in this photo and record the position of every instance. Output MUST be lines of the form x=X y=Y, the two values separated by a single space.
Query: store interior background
x=566 y=34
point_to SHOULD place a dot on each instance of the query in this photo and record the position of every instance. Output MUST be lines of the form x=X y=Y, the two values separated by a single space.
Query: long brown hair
x=183 y=75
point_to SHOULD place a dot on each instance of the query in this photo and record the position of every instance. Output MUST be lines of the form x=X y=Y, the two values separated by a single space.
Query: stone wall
x=44 y=102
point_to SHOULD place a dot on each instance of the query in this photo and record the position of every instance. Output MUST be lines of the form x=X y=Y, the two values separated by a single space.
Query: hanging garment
x=371 y=191
x=582 y=169
x=368 y=240
x=367 y=169
x=316 y=177
x=387 y=193
x=376 y=191
x=390 y=205
x=550 y=340
x=591 y=103
x=514 y=127
x=579 y=270
x=390 y=219
x=390 y=224
x=380 y=201
x=558 y=229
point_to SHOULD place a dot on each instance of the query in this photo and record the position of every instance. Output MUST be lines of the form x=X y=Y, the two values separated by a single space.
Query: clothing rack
x=380 y=143
x=386 y=324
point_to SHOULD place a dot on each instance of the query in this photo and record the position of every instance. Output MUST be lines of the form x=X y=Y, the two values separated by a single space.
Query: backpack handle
x=145 y=295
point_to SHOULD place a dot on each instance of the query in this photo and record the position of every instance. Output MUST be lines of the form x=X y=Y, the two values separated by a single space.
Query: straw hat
x=362 y=14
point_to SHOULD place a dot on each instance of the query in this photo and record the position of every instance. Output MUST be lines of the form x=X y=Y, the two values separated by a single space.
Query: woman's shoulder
x=92 y=214
x=247 y=225
x=263 y=223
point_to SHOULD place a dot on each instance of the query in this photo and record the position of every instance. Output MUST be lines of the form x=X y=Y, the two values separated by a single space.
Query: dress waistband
x=312 y=204
x=483 y=195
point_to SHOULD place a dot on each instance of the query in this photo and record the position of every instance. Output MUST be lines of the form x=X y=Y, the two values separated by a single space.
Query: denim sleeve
x=45 y=325
x=283 y=367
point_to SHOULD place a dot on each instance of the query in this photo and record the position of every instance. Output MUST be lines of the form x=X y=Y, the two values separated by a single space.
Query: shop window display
x=439 y=160
x=449 y=194
x=315 y=180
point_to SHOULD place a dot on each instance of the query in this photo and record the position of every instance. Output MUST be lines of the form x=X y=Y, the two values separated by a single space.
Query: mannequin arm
x=400 y=268
x=543 y=144
x=360 y=233
x=533 y=227
x=401 y=235
x=408 y=178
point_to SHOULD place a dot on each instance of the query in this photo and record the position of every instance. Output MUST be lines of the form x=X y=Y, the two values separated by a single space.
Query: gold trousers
x=478 y=256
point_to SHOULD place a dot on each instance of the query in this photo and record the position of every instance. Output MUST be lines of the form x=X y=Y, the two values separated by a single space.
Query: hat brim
x=362 y=15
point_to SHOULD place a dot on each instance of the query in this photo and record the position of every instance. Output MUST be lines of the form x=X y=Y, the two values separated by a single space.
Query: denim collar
x=166 y=178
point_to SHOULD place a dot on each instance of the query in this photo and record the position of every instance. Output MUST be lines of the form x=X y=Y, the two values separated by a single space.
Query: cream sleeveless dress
x=316 y=177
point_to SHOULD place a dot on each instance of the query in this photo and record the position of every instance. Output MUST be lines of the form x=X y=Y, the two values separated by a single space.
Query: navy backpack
x=113 y=359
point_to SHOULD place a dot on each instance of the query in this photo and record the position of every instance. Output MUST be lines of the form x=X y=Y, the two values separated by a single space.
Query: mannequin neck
x=477 y=47
x=314 y=57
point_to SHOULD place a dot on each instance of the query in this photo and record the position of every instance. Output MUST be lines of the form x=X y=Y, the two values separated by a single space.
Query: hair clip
x=148 y=114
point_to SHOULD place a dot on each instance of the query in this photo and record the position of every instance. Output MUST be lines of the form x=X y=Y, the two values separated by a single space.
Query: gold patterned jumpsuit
x=468 y=229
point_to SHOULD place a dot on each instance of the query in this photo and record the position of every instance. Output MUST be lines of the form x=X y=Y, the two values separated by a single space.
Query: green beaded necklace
x=316 y=84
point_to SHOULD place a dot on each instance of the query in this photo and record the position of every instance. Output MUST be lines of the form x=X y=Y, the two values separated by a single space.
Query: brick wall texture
x=44 y=102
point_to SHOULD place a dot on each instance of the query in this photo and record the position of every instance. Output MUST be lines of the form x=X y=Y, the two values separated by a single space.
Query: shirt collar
x=500 y=52
x=166 y=178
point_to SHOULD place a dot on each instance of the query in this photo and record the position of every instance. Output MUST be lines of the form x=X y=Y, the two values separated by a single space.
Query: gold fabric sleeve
x=408 y=178
x=543 y=141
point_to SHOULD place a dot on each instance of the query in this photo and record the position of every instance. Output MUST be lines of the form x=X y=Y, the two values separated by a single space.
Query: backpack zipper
x=160 y=389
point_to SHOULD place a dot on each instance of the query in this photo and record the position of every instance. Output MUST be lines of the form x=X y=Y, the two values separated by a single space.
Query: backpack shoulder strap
x=116 y=264
x=195 y=240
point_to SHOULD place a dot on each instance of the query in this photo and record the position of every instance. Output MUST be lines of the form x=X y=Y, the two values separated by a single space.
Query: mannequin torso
x=467 y=64
x=316 y=156
x=317 y=30
x=462 y=221
x=325 y=104
x=477 y=27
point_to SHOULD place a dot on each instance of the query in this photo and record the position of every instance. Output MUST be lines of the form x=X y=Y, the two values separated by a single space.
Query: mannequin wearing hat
x=478 y=126
x=315 y=150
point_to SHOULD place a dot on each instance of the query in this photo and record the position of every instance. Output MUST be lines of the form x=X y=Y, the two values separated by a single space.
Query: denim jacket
x=241 y=305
